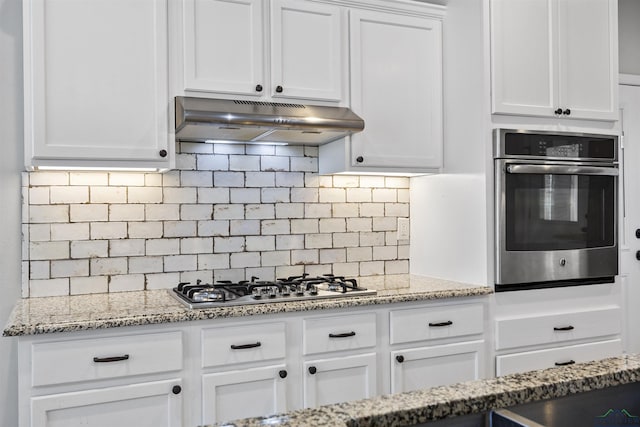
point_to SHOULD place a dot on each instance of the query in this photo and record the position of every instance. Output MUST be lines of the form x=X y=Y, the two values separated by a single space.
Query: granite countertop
x=407 y=409
x=98 y=311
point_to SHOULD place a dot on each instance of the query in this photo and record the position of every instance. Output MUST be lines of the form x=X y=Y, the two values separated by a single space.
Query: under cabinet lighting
x=222 y=141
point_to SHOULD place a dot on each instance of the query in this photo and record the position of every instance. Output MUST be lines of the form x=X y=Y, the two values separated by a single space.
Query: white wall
x=10 y=167
x=629 y=14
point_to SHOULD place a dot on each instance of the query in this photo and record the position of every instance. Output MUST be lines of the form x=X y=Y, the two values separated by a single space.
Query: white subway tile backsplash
x=42 y=214
x=108 y=194
x=39 y=195
x=180 y=263
x=245 y=259
x=69 y=268
x=275 y=195
x=228 y=212
x=213 y=195
x=108 y=230
x=180 y=228
x=74 y=231
x=88 y=285
x=108 y=266
x=40 y=251
x=130 y=212
x=145 y=230
x=144 y=194
x=89 y=249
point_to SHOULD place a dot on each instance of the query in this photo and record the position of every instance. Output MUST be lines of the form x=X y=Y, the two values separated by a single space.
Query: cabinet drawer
x=334 y=333
x=557 y=327
x=429 y=323
x=91 y=359
x=541 y=359
x=246 y=343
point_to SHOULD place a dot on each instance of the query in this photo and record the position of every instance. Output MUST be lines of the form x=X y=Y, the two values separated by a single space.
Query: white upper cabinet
x=555 y=58
x=396 y=87
x=290 y=49
x=96 y=83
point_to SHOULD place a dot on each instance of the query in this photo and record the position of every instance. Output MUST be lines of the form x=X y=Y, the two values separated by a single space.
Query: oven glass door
x=549 y=211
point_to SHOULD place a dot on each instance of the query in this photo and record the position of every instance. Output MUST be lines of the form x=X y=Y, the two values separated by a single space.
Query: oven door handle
x=562 y=170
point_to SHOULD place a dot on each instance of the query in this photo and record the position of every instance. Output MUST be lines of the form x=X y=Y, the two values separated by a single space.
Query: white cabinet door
x=243 y=393
x=153 y=404
x=554 y=58
x=588 y=58
x=223 y=46
x=96 y=84
x=307 y=50
x=339 y=379
x=421 y=368
x=396 y=87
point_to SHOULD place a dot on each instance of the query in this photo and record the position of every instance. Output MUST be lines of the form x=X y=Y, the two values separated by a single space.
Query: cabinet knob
x=400 y=358
x=258 y=88
x=558 y=111
x=176 y=389
x=312 y=370
x=638 y=255
x=359 y=159
x=566 y=112
x=163 y=153
x=279 y=89
x=638 y=233
x=283 y=374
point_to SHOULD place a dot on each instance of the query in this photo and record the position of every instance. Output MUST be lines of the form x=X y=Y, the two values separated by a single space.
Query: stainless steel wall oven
x=556 y=209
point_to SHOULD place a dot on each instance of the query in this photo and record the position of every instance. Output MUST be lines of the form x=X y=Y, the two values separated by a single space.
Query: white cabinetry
x=447 y=346
x=341 y=376
x=555 y=58
x=130 y=379
x=278 y=49
x=555 y=327
x=396 y=87
x=249 y=375
x=96 y=84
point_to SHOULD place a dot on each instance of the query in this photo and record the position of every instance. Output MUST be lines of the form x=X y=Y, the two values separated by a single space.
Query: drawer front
x=557 y=328
x=246 y=343
x=541 y=359
x=430 y=323
x=335 y=333
x=101 y=358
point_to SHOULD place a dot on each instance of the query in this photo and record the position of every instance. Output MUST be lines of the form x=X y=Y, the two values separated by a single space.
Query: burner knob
x=257 y=296
x=313 y=290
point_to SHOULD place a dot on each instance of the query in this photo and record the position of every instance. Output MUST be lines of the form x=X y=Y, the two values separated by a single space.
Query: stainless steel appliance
x=556 y=209
x=255 y=291
x=211 y=120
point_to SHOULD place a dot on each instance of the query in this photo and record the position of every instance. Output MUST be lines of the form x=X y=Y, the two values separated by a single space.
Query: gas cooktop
x=255 y=291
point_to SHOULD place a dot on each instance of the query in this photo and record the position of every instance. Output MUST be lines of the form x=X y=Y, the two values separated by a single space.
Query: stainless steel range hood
x=211 y=120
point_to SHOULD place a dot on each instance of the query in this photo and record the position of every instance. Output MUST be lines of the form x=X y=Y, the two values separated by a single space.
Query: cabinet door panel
x=240 y=394
x=306 y=50
x=223 y=45
x=587 y=57
x=523 y=60
x=339 y=380
x=143 y=405
x=95 y=80
x=421 y=368
x=396 y=87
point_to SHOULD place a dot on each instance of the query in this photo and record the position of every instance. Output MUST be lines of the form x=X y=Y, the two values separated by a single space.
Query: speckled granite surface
x=407 y=409
x=98 y=311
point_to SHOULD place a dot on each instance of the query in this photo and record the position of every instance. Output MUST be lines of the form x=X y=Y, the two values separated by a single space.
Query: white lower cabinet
x=339 y=379
x=244 y=393
x=545 y=328
x=424 y=367
x=152 y=404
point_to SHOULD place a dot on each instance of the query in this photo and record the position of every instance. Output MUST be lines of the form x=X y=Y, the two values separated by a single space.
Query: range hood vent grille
x=212 y=120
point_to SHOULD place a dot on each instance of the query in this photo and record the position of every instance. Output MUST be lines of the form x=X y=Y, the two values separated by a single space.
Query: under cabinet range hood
x=226 y=120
